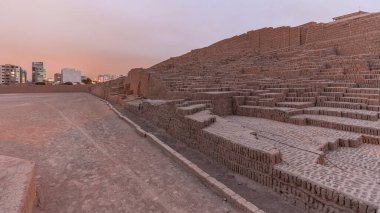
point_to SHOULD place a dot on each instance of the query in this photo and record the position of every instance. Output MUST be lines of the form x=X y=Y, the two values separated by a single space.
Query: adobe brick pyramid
x=294 y=108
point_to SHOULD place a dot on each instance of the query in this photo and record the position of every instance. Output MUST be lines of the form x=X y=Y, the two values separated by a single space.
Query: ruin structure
x=293 y=108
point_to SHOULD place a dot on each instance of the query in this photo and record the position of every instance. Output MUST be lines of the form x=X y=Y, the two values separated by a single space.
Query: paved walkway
x=89 y=160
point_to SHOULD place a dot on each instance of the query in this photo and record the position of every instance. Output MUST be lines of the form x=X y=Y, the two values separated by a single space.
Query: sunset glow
x=114 y=36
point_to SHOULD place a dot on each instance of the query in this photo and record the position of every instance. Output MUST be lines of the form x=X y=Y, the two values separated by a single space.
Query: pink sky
x=113 y=36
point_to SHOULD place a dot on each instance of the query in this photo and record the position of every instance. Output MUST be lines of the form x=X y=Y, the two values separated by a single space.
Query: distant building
x=50 y=80
x=106 y=77
x=57 y=77
x=38 y=72
x=83 y=78
x=12 y=74
x=70 y=75
x=23 y=76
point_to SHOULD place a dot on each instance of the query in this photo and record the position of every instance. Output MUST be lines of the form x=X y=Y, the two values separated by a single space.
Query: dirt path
x=88 y=160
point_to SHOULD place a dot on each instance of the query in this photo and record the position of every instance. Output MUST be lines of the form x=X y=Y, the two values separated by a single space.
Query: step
x=201 y=119
x=359 y=100
x=117 y=87
x=340 y=112
x=273 y=113
x=342 y=84
x=279 y=90
x=206 y=89
x=188 y=110
x=335 y=89
x=268 y=102
x=310 y=94
x=337 y=104
x=272 y=95
x=340 y=123
x=292 y=94
x=364 y=90
x=251 y=103
x=371 y=76
x=115 y=93
x=297 y=105
x=362 y=95
x=188 y=103
x=300 y=99
x=373 y=108
x=252 y=98
x=304 y=94
x=301 y=89
x=332 y=94
x=241 y=93
x=258 y=92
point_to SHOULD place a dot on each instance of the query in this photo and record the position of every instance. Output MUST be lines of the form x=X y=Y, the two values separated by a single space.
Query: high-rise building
x=12 y=74
x=23 y=76
x=57 y=77
x=70 y=75
x=38 y=72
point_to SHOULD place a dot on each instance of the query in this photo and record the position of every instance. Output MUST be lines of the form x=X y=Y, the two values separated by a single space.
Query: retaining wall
x=21 y=88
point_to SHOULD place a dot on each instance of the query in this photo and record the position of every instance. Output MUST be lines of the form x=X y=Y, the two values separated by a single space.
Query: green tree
x=87 y=81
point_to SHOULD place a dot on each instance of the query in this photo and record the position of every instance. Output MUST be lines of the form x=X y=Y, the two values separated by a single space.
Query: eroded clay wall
x=266 y=39
x=143 y=85
x=354 y=45
x=99 y=90
x=322 y=35
x=342 y=29
x=351 y=37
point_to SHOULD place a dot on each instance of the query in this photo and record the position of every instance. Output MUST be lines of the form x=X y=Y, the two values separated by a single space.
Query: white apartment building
x=106 y=77
x=70 y=75
x=12 y=74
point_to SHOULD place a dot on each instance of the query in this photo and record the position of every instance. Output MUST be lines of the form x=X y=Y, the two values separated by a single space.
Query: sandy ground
x=89 y=160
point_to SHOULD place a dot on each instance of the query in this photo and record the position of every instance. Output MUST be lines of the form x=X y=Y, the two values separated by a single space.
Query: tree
x=87 y=81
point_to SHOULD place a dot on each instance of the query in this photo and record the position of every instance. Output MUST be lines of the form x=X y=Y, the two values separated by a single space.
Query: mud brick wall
x=295 y=36
x=236 y=102
x=336 y=30
x=255 y=164
x=348 y=45
x=268 y=113
x=254 y=39
x=142 y=84
x=313 y=197
x=221 y=101
x=99 y=90
x=138 y=83
x=103 y=90
x=346 y=35
x=263 y=40
x=276 y=38
x=262 y=167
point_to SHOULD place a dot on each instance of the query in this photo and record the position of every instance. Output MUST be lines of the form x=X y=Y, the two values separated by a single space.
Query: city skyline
x=113 y=37
x=15 y=74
